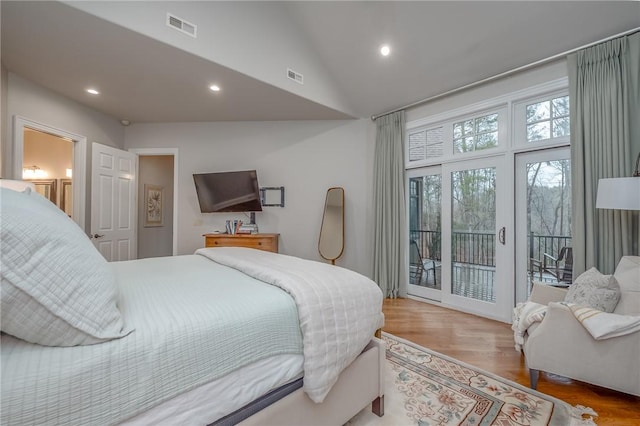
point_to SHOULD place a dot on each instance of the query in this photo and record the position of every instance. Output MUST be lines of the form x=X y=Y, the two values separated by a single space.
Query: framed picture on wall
x=153 y=199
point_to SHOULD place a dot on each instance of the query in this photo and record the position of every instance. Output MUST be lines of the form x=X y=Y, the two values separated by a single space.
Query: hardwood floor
x=488 y=344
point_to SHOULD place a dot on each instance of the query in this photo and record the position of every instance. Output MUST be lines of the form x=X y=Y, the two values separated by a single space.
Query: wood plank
x=489 y=345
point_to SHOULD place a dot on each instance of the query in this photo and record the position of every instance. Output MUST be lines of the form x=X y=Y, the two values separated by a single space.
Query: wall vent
x=181 y=25
x=295 y=76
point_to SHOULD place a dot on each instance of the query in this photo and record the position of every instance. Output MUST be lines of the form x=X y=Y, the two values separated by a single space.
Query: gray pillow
x=595 y=290
x=57 y=289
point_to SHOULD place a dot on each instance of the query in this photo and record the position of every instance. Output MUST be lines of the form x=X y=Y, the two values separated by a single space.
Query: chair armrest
x=544 y=294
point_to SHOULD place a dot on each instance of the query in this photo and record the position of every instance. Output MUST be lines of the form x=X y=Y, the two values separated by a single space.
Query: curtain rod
x=505 y=74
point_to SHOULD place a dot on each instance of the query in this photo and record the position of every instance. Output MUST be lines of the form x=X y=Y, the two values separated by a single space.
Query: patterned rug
x=425 y=388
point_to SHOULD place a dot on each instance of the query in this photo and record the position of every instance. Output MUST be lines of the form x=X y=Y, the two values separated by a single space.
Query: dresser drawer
x=267 y=242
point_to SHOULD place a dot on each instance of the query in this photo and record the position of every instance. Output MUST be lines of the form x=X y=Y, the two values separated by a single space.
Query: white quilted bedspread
x=339 y=309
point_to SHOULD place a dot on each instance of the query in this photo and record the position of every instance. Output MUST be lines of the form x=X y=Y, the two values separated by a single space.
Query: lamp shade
x=619 y=193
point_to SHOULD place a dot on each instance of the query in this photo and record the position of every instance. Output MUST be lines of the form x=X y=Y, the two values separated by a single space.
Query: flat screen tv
x=228 y=191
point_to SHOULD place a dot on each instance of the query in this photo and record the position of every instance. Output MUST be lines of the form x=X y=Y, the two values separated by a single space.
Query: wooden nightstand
x=266 y=242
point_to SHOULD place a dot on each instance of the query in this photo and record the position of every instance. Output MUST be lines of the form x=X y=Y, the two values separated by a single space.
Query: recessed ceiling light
x=385 y=50
x=93 y=91
x=214 y=88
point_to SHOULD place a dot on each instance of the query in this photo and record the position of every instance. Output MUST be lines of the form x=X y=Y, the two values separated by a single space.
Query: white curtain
x=605 y=141
x=389 y=233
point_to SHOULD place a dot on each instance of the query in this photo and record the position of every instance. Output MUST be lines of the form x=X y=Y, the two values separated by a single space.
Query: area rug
x=425 y=388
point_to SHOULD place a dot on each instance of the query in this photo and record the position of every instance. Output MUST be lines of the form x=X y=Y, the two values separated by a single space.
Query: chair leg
x=533 y=377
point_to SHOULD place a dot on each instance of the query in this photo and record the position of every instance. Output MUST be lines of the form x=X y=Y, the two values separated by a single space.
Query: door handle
x=96 y=236
x=501 y=235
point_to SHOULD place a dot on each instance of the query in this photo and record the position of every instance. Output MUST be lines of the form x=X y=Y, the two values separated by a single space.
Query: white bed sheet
x=221 y=397
x=191 y=316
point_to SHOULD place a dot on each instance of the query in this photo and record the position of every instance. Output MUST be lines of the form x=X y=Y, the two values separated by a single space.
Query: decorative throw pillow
x=595 y=290
x=57 y=289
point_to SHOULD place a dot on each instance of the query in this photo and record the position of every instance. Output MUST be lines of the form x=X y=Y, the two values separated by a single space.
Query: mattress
x=194 y=321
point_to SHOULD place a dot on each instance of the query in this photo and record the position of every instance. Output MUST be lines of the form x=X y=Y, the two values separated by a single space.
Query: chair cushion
x=595 y=290
x=628 y=276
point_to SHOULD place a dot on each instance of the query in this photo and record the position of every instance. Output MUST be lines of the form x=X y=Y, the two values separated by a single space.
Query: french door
x=543 y=216
x=462 y=230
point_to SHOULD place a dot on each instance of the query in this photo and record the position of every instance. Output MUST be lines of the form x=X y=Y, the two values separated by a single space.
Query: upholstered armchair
x=560 y=344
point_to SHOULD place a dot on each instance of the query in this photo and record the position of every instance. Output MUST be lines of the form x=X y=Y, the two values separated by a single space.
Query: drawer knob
x=259 y=243
x=216 y=242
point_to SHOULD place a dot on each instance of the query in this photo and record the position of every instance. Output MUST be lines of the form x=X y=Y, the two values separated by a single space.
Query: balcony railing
x=473 y=257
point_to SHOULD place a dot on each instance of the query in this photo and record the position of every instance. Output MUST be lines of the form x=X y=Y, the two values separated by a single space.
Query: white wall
x=37 y=103
x=305 y=157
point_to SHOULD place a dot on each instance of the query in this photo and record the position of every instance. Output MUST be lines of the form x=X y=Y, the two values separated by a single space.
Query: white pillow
x=57 y=289
x=595 y=290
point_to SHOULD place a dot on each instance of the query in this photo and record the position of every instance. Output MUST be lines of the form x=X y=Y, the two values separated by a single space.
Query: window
x=426 y=144
x=475 y=134
x=548 y=119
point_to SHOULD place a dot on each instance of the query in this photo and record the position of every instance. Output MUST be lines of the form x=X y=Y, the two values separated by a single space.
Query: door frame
x=79 y=165
x=166 y=151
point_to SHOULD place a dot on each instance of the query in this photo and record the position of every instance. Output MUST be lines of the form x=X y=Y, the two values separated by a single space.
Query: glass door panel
x=473 y=230
x=425 y=233
x=543 y=220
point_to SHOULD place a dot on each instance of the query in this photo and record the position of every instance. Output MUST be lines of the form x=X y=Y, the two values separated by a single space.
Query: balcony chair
x=418 y=266
x=560 y=267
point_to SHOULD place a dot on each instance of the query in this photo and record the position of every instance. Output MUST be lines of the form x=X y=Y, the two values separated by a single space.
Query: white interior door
x=113 y=202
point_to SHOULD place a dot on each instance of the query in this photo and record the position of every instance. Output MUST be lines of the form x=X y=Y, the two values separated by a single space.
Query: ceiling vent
x=181 y=25
x=295 y=76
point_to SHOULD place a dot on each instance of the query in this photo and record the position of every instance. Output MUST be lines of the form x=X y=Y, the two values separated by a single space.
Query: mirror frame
x=332 y=260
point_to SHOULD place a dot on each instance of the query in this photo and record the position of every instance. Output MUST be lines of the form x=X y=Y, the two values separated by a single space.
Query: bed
x=223 y=336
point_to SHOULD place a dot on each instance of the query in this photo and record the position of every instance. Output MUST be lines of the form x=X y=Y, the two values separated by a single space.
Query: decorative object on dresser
x=266 y=242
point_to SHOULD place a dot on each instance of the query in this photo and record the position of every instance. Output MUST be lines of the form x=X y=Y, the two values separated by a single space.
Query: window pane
x=487 y=123
x=457 y=130
x=537 y=112
x=417 y=146
x=538 y=131
x=468 y=127
x=560 y=106
x=435 y=142
x=561 y=127
x=487 y=140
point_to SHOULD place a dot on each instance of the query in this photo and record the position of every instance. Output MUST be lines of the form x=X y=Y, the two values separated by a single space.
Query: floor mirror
x=331 y=243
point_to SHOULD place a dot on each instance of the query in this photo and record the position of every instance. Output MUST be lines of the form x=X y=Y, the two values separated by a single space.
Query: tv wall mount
x=272 y=196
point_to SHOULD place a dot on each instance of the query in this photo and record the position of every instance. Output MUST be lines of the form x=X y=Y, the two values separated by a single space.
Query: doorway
x=157 y=174
x=74 y=194
x=48 y=164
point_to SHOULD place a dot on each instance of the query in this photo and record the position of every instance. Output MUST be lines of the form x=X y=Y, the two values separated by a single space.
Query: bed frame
x=361 y=383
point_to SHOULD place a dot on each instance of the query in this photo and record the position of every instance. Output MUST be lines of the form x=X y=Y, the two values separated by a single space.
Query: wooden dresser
x=267 y=242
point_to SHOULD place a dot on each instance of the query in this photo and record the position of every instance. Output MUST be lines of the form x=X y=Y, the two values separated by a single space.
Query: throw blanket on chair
x=525 y=314
x=603 y=325
x=339 y=310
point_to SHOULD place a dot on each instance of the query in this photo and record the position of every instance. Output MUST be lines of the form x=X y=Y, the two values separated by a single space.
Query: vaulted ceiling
x=435 y=47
